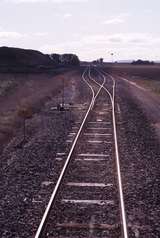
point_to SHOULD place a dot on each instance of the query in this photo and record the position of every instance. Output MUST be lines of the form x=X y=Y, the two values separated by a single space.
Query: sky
x=128 y=29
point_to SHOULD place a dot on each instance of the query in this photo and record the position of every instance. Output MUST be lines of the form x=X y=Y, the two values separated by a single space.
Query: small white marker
x=95 y=202
x=75 y=127
x=95 y=141
x=93 y=155
x=97 y=122
x=98 y=128
x=96 y=134
x=99 y=113
x=90 y=160
x=46 y=183
x=101 y=185
x=61 y=153
x=69 y=141
x=36 y=201
x=59 y=159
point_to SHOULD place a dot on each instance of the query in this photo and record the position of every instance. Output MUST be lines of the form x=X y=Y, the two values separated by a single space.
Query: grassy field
x=6 y=85
x=152 y=85
x=148 y=71
x=147 y=76
x=18 y=91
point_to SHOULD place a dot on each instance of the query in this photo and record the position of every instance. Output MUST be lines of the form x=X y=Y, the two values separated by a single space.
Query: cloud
x=125 y=45
x=46 y=1
x=121 y=38
x=103 y=41
x=117 y=19
x=137 y=38
x=39 y=34
x=88 y=52
x=11 y=34
x=113 y=21
x=66 y=47
x=24 y=1
x=68 y=1
x=89 y=47
x=67 y=15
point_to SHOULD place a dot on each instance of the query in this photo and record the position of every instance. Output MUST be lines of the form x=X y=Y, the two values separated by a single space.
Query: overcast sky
x=90 y=28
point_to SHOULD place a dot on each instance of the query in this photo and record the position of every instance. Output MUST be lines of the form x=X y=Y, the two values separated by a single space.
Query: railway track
x=87 y=200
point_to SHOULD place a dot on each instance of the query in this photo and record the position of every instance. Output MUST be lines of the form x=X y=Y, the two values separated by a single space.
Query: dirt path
x=147 y=100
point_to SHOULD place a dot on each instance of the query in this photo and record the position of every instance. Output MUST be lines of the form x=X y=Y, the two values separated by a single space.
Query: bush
x=142 y=62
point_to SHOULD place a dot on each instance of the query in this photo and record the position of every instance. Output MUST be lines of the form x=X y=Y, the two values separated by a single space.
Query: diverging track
x=87 y=200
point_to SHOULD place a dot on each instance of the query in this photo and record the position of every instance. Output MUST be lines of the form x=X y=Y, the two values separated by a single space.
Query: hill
x=22 y=60
x=15 y=59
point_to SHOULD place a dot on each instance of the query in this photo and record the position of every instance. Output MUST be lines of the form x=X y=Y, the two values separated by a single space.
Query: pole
x=63 y=93
x=24 y=130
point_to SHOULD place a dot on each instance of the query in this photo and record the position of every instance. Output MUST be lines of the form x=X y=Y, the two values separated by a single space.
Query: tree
x=70 y=59
x=101 y=60
x=142 y=62
x=56 y=58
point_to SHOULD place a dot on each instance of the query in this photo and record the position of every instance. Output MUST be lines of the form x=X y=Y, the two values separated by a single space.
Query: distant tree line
x=142 y=62
x=65 y=59
x=98 y=61
x=26 y=60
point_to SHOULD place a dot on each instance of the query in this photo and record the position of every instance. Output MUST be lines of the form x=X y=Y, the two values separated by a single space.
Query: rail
x=54 y=193
x=120 y=187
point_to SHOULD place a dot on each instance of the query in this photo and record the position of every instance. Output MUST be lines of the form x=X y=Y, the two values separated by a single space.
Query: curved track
x=119 y=179
x=85 y=201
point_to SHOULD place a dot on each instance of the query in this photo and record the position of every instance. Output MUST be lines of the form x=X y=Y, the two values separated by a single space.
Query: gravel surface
x=68 y=216
x=29 y=171
x=140 y=161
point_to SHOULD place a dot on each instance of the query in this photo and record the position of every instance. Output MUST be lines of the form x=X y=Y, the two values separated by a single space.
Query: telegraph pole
x=63 y=92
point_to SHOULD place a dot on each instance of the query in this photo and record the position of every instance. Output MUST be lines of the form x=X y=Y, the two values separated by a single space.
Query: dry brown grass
x=31 y=90
x=145 y=71
x=152 y=85
x=147 y=76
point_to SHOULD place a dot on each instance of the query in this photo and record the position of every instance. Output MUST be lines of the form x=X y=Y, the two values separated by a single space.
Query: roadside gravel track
x=140 y=161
